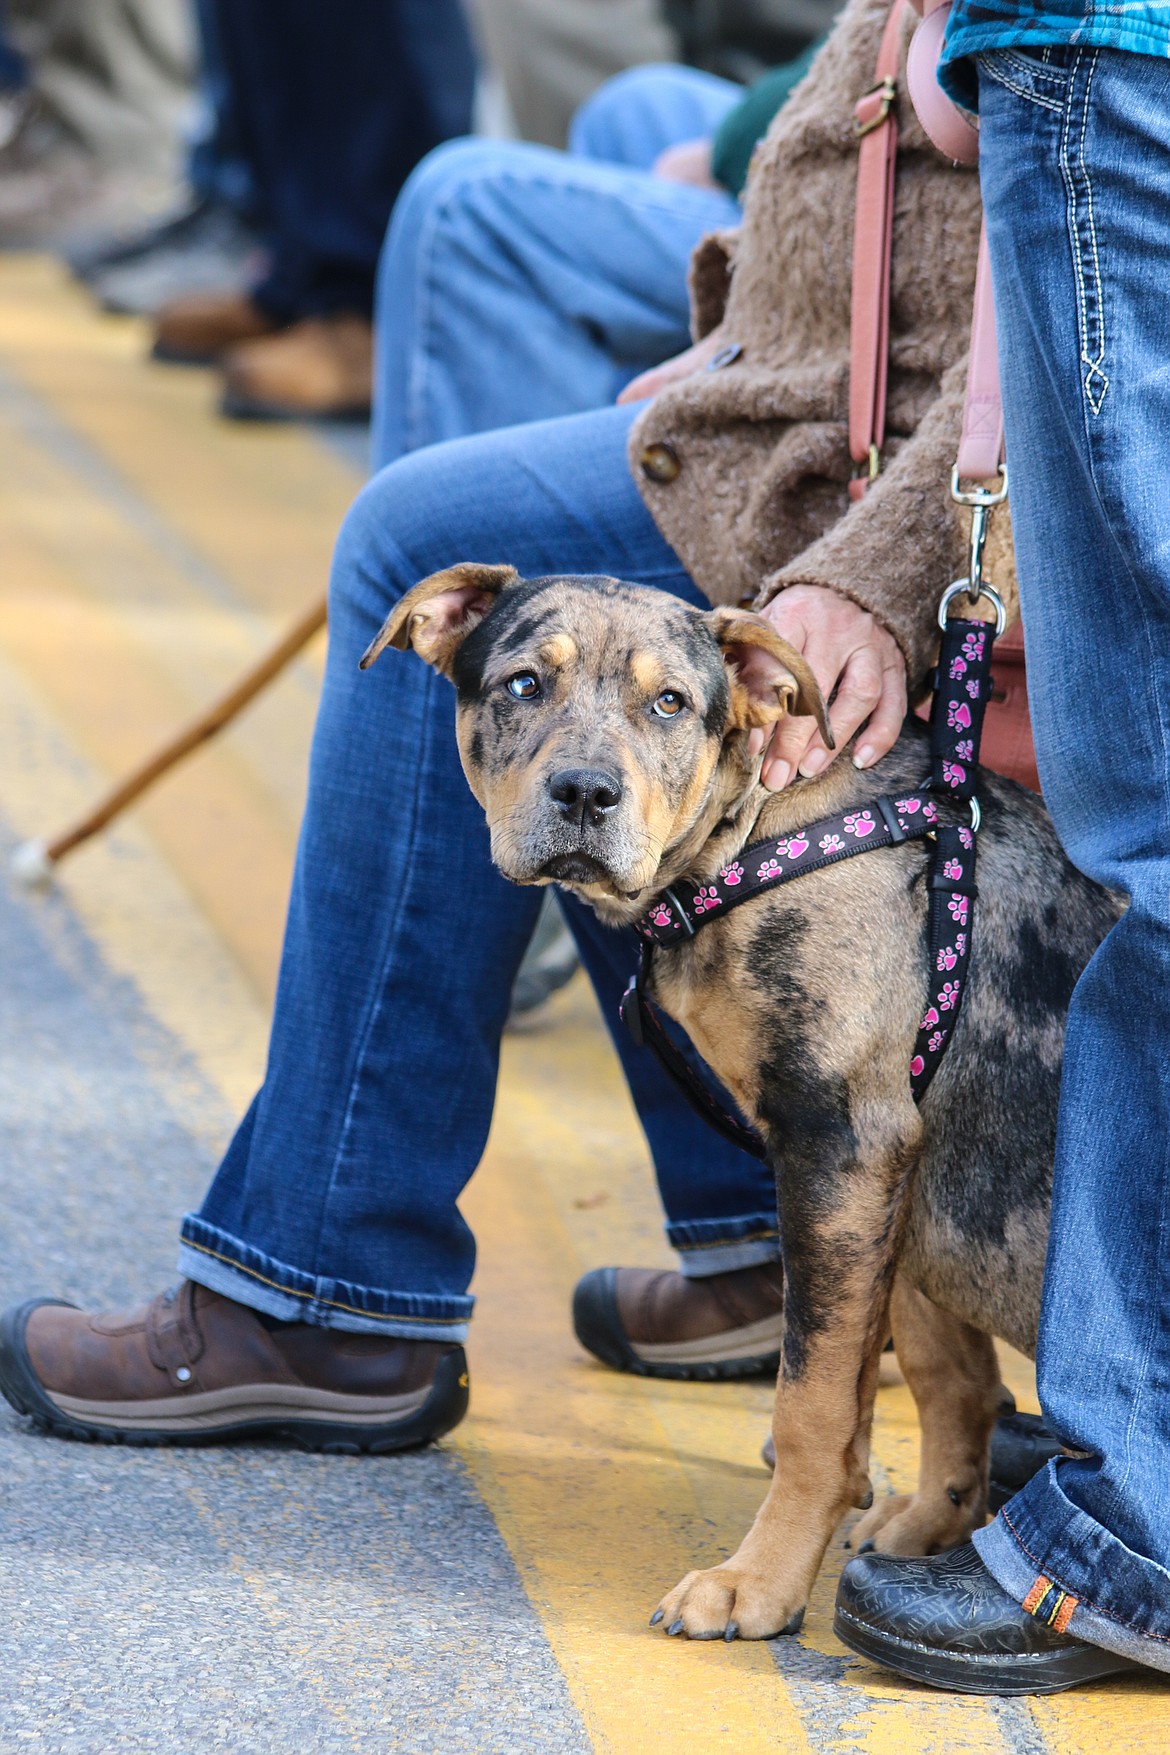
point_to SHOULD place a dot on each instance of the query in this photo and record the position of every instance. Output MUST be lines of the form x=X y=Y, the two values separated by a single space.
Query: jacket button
x=660 y=462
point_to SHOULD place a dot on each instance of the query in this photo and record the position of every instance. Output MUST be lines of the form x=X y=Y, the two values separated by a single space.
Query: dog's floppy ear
x=436 y=617
x=769 y=677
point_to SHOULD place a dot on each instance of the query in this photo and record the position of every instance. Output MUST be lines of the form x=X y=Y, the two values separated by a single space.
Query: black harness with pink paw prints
x=962 y=690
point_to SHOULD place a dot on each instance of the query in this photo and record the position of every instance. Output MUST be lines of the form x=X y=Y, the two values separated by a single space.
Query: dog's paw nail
x=866 y=1548
x=866 y=1500
x=793 y=1624
x=847 y=1544
x=656 y=1617
x=731 y=1631
x=675 y=1627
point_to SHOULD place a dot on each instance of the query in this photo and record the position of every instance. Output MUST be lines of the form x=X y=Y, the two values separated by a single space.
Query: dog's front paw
x=916 y=1523
x=727 y=1602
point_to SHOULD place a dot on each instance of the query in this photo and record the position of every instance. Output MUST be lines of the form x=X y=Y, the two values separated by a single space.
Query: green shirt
x=744 y=126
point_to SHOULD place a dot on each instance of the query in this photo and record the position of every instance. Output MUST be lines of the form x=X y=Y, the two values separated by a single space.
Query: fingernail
x=813 y=763
x=656 y=1617
x=863 y=757
x=778 y=775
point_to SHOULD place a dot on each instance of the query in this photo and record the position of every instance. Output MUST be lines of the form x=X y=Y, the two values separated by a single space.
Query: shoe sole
x=1044 y=1672
x=598 y=1328
x=317 y=1428
x=236 y=407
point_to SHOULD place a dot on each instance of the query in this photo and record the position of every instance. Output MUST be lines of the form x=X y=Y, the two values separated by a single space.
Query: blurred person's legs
x=519 y=284
x=99 y=140
x=335 y=1207
x=338 y=104
x=210 y=242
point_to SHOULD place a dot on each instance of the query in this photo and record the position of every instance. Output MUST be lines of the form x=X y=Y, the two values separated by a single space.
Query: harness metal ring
x=988 y=591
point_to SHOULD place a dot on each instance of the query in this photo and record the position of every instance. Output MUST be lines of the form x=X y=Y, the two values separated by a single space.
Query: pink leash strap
x=981 y=444
x=875 y=122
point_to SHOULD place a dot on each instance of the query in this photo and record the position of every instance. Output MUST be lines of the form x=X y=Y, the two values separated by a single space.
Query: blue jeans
x=519 y=284
x=333 y=106
x=336 y=1201
x=1075 y=154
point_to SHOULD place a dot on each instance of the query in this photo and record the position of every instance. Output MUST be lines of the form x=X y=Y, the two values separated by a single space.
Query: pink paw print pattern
x=907 y=807
x=961 y=943
x=930 y=812
x=958 y=910
x=953 y=774
x=732 y=874
x=958 y=668
x=947 y=958
x=965 y=750
x=792 y=849
x=859 y=823
x=831 y=843
x=973 y=647
x=948 y=998
x=769 y=868
x=929 y=1017
x=958 y=716
x=966 y=839
x=952 y=869
x=936 y=1041
x=707 y=899
x=973 y=688
x=661 y=916
x=917 y=1067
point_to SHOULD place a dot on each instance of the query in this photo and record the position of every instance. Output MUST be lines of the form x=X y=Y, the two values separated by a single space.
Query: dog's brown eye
x=525 y=687
x=668 y=704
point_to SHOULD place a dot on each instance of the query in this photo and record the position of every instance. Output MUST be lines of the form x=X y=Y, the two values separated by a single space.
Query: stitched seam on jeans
x=1030 y=68
x=1107 y=1614
x=1070 y=183
x=1031 y=97
x=315 y=1297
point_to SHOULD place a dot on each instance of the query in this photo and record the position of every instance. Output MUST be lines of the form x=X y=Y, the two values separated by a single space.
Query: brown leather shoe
x=193 y=1367
x=200 y=328
x=662 y=1324
x=320 y=369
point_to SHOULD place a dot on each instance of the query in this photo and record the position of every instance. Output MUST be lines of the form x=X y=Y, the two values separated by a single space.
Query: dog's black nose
x=585 y=795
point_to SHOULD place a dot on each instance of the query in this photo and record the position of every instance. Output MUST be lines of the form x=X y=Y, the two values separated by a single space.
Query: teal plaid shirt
x=1142 y=26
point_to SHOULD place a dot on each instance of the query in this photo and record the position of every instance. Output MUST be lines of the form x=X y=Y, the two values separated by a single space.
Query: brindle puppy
x=604 y=729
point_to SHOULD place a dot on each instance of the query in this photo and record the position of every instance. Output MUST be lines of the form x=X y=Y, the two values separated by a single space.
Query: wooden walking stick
x=33 y=862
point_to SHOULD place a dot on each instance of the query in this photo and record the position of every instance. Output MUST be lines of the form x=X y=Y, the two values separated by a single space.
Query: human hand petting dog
x=849 y=653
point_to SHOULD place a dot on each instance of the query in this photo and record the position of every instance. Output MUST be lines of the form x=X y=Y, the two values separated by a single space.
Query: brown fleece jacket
x=760 y=499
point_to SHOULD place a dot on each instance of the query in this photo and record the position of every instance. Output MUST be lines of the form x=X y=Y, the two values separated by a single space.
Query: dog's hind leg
x=842 y=1195
x=954 y=1378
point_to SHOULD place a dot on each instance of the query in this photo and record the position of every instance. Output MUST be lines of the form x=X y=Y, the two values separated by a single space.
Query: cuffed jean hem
x=717 y=1246
x=223 y=1264
x=1088 y=1565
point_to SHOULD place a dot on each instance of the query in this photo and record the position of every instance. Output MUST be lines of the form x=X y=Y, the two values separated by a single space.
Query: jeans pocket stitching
x=1051 y=75
x=1086 y=262
x=995 y=71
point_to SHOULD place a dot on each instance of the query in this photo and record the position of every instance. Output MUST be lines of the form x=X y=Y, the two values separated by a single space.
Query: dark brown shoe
x=320 y=369
x=194 y=1368
x=200 y=328
x=662 y=1324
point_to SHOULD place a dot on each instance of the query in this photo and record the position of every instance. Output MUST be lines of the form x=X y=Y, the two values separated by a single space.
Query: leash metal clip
x=982 y=502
